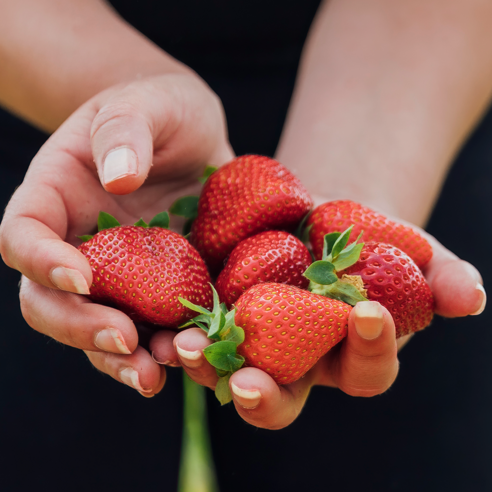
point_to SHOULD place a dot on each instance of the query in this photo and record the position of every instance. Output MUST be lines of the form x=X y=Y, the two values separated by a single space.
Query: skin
x=134 y=96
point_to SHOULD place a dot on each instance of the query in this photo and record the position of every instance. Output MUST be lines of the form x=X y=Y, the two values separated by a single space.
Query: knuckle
x=115 y=114
x=370 y=385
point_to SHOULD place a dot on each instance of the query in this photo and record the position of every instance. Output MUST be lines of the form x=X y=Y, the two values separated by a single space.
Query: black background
x=64 y=426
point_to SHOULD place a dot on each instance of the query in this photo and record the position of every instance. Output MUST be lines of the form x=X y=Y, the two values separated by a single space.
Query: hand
x=364 y=364
x=146 y=142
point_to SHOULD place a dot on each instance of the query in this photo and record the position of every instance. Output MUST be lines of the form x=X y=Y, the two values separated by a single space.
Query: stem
x=197 y=470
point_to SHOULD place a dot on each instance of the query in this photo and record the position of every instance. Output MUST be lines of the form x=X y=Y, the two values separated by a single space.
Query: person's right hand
x=129 y=151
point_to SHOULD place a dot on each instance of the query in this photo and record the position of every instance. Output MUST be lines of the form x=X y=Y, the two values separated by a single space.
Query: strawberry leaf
x=85 y=238
x=221 y=373
x=321 y=272
x=209 y=170
x=202 y=318
x=305 y=235
x=328 y=242
x=202 y=321
x=217 y=304
x=187 y=227
x=300 y=232
x=230 y=331
x=218 y=322
x=186 y=207
x=348 y=256
x=160 y=220
x=193 y=307
x=202 y=326
x=141 y=223
x=106 y=221
x=222 y=355
x=340 y=243
x=222 y=391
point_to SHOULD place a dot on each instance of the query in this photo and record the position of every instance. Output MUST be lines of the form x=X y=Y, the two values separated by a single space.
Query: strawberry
x=143 y=269
x=337 y=216
x=377 y=272
x=271 y=256
x=288 y=329
x=248 y=195
x=277 y=328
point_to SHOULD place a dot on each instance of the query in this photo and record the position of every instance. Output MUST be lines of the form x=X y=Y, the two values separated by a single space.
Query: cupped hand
x=130 y=151
x=364 y=364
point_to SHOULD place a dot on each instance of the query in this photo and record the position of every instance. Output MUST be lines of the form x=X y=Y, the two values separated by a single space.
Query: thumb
x=368 y=357
x=123 y=132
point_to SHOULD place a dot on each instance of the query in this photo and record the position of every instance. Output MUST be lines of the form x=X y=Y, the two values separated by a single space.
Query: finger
x=456 y=284
x=367 y=364
x=162 y=348
x=152 y=119
x=122 y=141
x=262 y=403
x=34 y=246
x=189 y=345
x=74 y=320
x=137 y=370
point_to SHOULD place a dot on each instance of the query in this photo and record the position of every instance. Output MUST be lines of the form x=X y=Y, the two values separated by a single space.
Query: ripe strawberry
x=271 y=256
x=337 y=216
x=382 y=273
x=392 y=278
x=278 y=328
x=143 y=270
x=248 y=195
x=287 y=329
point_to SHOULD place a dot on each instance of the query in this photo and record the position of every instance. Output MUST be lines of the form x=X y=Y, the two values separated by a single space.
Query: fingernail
x=484 y=300
x=368 y=319
x=111 y=340
x=246 y=398
x=119 y=163
x=130 y=377
x=190 y=359
x=170 y=363
x=69 y=280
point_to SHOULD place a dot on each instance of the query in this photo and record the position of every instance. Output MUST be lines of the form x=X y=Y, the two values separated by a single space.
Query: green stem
x=197 y=471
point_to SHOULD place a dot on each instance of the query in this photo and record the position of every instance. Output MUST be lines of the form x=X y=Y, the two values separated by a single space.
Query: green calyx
x=302 y=232
x=337 y=256
x=187 y=206
x=220 y=327
x=107 y=221
x=209 y=170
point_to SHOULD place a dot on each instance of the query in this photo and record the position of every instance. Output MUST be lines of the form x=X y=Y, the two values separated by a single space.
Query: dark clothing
x=65 y=427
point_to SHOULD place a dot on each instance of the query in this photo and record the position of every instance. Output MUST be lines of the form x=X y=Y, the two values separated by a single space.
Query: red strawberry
x=271 y=256
x=249 y=195
x=287 y=329
x=143 y=270
x=393 y=279
x=278 y=328
x=337 y=216
x=382 y=273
